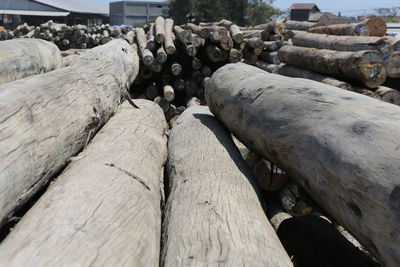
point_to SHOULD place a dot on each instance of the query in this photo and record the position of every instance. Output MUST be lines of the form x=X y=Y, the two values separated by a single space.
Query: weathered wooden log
x=169 y=40
x=252 y=34
x=363 y=66
x=255 y=43
x=299 y=25
x=270 y=57
x=197 y=64
x=176 y=69
x=150 y=42
x=265 y=66
x=389 y=95
x=235 y=56
x=236 y=34
x=202 y=32
x=146 y=54
x=342 y=43
x=169 y=93
x=370 y=27
x=161 y=55
x=21 y=58
x=275 y=27
x=296 y=72
x=271 y=46
x=226 y=236
x=86 y=203
x=159 y=26
x=392 y=66
x=183 y=35
x=55 y=115
x=356 y=177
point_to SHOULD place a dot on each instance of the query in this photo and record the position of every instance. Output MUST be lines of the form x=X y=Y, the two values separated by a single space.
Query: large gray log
x=46 y=119
x=213 y=214
x=342 y=147
x=104 y=209
x=342 y=43
x=20 y=58
x=362 y=66
x=299 y=25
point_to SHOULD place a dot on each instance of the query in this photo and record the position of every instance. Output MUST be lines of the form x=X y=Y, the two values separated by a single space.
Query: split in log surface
x=46 y=119
x=104 y=209
x=342 y=147
x=213 y=214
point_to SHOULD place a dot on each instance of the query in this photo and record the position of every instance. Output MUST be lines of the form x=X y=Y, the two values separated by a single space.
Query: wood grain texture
x=342 y=147
x=213 y=214
x=104 y=209
x=363 y=66
x=342 y=43
x=20 y=58
x=46 y=119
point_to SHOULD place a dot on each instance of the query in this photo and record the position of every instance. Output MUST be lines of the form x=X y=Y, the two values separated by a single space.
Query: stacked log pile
x=355 y=57
x=178 y=60
x=65 y=37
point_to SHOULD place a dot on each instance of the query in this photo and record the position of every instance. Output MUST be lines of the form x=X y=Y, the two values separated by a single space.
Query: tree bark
x=340 y=146
x=22 y=58
x=363 y=66
x=114 y=184
x=342 y=43
x=46 y=119
x=200 y=227
x=370 y=27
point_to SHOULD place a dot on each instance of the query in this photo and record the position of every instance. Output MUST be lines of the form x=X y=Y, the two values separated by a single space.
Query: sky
x=346 y=7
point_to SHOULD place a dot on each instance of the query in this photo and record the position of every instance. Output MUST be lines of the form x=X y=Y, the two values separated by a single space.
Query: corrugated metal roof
x=34 y=13
x=303 y=6
x=77 y=6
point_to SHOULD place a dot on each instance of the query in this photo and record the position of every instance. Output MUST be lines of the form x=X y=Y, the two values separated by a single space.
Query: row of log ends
x=351 y=136
x=47 y=118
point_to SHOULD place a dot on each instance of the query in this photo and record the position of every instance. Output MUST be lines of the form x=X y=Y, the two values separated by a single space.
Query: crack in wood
x=129 y=174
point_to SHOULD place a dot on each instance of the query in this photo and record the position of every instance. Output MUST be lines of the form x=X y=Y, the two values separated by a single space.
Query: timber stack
x=356 y=57
x=66 y=37
x=273 y=167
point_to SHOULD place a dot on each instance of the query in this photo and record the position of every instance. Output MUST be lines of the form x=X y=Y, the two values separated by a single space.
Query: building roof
x=76 y=6
x=305 y=6
x=34 y=13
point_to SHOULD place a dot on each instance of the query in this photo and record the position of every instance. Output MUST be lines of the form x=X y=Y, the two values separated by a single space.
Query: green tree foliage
x=242 y=12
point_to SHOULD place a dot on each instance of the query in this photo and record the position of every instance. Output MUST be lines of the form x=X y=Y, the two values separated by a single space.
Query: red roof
x=303 y=6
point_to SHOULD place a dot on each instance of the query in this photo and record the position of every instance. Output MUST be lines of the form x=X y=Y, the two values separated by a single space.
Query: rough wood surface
x=392 y=66
x=370 y=27
x=20 y=58
x=342 y=43
x=295 y=72
x=389 y=95
x=104 y=209
x=362 y=66
x=299 y=25
x=46 y=119
x=213 y=214
x=342 y=147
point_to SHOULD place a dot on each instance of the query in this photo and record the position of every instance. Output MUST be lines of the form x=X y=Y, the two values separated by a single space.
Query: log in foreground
x=22 y=58
x=342 y=147
x=342 y=43
x=213 y=212
x=46 y=119
x=362 y=66
x=104 y=209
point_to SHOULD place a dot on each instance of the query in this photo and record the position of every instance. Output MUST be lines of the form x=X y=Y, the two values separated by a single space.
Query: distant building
x=301 y=12
x=325 y=18
x=136 y=12
x=34 y=12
